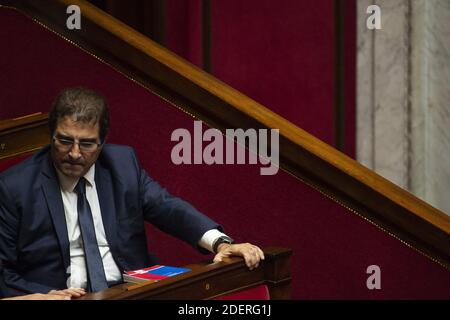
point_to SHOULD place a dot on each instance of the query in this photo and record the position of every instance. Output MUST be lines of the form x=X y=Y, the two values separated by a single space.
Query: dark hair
x=84 y=105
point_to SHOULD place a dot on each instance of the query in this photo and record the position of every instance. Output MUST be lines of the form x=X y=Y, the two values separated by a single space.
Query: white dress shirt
x=78 y=274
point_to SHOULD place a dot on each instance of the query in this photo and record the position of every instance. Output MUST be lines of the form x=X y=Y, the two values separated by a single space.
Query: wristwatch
x=220 y=240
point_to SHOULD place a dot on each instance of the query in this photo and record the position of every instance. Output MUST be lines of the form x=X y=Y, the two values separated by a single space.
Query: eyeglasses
x=66 y=144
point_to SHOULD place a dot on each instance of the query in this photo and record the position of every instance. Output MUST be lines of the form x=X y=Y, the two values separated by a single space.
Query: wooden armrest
x=211 y=280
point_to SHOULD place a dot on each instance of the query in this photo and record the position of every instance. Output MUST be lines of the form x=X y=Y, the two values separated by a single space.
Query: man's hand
x=65 y=294
x=71 y=292
x=251 y=253
x=39 y=296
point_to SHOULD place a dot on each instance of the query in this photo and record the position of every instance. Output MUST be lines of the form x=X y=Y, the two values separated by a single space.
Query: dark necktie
x=96 y=274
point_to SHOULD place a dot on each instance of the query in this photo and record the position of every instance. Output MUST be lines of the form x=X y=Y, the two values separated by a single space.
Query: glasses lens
x=66 y=144
x=88 y=146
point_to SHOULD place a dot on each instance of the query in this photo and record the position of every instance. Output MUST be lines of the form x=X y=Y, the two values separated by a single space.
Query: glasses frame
x=82 y=148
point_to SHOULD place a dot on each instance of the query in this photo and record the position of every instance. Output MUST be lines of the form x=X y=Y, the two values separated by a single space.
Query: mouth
x=73 y=164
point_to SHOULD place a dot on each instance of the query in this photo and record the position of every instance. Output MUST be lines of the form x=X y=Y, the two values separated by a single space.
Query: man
x=73 y=214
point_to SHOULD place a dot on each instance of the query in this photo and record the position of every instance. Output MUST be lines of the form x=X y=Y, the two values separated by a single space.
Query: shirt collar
x=68 y=183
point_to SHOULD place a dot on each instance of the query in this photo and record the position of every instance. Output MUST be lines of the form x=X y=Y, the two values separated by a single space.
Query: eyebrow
x=62 y=136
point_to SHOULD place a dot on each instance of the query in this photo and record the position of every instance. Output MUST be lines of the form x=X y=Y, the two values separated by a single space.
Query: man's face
x=74 y=160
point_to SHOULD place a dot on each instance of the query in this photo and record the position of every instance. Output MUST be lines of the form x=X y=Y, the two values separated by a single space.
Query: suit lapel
x=55 y=205
x=105 y=194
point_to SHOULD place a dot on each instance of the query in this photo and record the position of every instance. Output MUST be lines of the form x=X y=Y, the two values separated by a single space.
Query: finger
x=258 y=255
x=250 y=260
x=79 y=291
x=261 y=253
x=56 y=297
x=59 y=293
x=65 y=292
x=254 y=257
x=73 y=293
x=218 y=257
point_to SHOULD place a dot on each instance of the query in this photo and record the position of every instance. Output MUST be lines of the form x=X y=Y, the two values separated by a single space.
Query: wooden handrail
x=385 y=204
x=23 y=134
x=17 y=123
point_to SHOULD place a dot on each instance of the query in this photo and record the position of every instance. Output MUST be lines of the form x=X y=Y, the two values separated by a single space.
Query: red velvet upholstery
x=293 y=40
x=260 y=292
x=332 y=247
x=184 y=29
x=280 y=54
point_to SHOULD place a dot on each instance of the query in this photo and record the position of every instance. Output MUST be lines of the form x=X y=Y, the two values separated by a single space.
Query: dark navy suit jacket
x=3 y=289
x=34 y=244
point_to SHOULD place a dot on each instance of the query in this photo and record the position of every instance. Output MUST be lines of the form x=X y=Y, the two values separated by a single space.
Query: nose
x=75 y=152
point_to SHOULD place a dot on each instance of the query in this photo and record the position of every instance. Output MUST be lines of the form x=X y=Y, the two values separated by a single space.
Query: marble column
x=403 y=96
x=430 y=101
